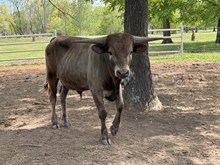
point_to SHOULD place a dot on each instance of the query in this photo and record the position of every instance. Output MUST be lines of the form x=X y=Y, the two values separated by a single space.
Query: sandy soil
x=185 y=132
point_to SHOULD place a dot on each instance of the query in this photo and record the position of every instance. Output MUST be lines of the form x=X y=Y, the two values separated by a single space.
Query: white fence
x=178 y=35
x=33 y=36
x=28 y=35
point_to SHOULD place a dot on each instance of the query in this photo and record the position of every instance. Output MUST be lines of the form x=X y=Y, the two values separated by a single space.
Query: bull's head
x=120 y=47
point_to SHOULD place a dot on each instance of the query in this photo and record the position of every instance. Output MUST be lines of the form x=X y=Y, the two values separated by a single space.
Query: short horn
x=100 y=40
x=139 y=40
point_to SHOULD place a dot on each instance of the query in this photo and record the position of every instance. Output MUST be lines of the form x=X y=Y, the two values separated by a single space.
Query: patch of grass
x=20 y=55
x=24 y=39
x=203 y=48
x=214 y=56
x=197 y=47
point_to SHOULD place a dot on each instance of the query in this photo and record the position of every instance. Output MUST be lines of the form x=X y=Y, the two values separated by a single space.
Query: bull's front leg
x=120 y=107
x=98 y=98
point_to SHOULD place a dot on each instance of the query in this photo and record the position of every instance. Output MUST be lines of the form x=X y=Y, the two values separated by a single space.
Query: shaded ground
x=186 y=131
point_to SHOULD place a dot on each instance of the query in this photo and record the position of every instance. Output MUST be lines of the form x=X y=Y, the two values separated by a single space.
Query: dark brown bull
x=98 y=65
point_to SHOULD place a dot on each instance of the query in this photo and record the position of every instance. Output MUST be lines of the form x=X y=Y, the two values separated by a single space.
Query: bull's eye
x=131 y=52
x=110 y=53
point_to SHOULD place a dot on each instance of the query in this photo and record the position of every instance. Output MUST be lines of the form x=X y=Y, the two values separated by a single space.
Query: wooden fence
x=33 y=36
x=179 y=34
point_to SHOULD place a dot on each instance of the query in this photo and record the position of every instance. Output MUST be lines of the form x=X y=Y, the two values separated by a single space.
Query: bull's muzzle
x=122 y=73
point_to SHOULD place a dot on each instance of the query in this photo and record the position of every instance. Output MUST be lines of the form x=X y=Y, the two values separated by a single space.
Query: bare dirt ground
x=185 y=132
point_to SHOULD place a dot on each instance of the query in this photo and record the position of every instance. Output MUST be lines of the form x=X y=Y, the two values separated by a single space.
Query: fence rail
x=33 y=36
x=20 y=51
x=22 y=43
x=28 y=35
x=24 y=59
x=180 y=30
x=54 y=34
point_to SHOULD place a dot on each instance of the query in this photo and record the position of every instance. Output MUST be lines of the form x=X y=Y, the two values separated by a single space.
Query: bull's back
x=69 y=61
x=58 y=49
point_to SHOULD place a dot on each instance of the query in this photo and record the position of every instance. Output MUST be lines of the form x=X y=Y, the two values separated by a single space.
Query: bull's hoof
x=56 y=126
x=67 y=125
x=114 y=130
x=104 y=137
x=106 y=141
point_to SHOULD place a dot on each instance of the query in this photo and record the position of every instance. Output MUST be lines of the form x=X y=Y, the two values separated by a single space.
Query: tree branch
x=64 y=13
x=212 y=3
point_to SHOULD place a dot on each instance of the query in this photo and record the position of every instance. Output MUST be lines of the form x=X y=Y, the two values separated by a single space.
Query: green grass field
x=20 y=55
x=203 y=48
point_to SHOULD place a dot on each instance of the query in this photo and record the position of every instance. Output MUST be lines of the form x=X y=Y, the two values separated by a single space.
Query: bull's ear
x=98 y=48
x=140 y=48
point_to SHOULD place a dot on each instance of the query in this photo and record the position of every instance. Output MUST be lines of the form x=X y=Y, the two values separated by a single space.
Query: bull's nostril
x=126 y=73
x=122 y=73
x=118 y=72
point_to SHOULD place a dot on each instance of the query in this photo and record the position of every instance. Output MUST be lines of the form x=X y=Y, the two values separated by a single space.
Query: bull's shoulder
x=64 y=41
x=57 y=44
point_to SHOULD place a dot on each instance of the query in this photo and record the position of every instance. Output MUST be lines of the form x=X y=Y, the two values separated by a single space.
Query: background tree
x=20 y=23
x=6 y=20
x=75 y=17
x=165 y=11
x=218 y=33
x=36 y=15
x=139 y=93
x=191 y=16
x=111 y=22
x=212 y=13
x=196 y=16
x=45 y=14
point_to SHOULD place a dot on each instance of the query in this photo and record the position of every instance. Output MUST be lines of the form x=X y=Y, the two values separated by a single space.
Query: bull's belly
x=73 y=80
x=75 y=86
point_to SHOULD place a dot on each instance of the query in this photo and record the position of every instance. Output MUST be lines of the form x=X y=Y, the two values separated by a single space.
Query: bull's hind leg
x=98 y=98
x=53 y=81
x=63 y=94
x=119 y=105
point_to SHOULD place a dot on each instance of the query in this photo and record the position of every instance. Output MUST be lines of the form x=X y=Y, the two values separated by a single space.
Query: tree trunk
x=139 y=93
x=196 y=30
x=45 y=9
x=80 y=15
x=166 y=25
x=214 y=29
x=217 y=41
x=193 y=36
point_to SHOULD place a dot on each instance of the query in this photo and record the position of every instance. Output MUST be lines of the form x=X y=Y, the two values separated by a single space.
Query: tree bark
x=214 y=29
x=217 y=41
x=45 y=10
x=18 y=26
x=139 y=93
x=166 y=25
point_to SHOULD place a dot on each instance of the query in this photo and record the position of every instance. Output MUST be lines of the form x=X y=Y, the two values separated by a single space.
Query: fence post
x=181 y=47
x=55 y=33
x=33 y=37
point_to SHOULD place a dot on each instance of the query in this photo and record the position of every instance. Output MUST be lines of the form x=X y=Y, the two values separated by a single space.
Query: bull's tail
x=52 y=39
x=46 y=88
